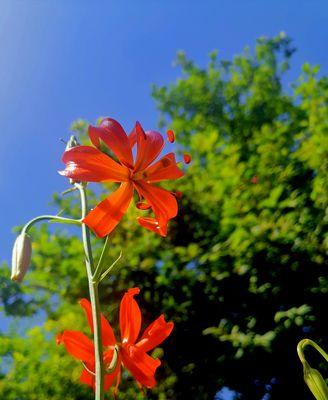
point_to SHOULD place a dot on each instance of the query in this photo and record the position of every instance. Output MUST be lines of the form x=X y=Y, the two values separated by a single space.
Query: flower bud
x=315 y=382
x=21 y=257
x=72 y=142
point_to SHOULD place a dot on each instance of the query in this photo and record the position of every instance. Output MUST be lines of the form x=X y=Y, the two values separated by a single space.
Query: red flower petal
x=152 y=225
x=104 y=218
x=78 y=345
x=130 y=317
x=163 y=203
x=110 y=378
x=114 y=136
x=85 y=163
x=134 y=135
x=165 y=168
x=141 y=365
x=154 y=335
x=149 y=145
x=108 y=337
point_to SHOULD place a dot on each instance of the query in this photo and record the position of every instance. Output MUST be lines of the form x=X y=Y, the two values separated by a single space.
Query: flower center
x=139 y=176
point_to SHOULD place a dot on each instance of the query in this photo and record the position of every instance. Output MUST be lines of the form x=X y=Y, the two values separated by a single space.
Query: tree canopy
x=243 y=270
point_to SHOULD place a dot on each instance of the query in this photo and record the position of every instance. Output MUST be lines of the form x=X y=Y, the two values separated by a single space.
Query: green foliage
x=242 y=272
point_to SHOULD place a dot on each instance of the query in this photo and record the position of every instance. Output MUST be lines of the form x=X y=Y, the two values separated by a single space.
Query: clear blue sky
x=65 y=59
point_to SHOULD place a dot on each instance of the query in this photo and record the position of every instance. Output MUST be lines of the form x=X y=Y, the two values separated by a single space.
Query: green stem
x=111 y=268
x=308 y=342
x=100 y=264
x=94 y=298
x=53 y=218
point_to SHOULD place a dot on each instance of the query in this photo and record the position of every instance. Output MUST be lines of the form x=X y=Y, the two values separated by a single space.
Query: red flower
x=92 y=164
x=132 y=354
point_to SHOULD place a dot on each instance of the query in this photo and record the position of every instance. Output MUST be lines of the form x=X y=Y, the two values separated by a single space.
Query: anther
x=170 y=136
x=142 y=206
x=186 y=158
x=177 y=194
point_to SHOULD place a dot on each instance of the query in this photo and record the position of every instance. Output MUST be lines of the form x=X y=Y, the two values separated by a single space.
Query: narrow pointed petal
x=110 y=379
x=165 y=168
x=149 y=146
x=130 y=317
x=153 y=225
x=141 y=365
x=87 y=164
x=77 y=344
x=118 y=381
x=163 y=204
x=134 y=135
x=104 y=218
x=113 y=135
x=154 y=335
x=108 y=337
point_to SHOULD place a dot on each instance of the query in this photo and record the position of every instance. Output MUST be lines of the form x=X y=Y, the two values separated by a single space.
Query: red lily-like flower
x=132 y=354
x=92 y=164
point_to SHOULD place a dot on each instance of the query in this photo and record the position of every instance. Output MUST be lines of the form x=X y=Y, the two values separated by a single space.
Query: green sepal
x=315 y=382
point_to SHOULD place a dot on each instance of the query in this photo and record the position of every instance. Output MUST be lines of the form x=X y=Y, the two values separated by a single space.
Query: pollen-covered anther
x=170 y=136
x=187 y=158
x=142 y=206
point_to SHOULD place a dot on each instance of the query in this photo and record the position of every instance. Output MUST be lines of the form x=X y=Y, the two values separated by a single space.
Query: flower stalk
x=50 y=218
x=94 y=299
x=102 y=367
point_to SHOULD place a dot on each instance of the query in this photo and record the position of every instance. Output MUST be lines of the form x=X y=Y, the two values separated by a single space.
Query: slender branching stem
x=94 y=299
x=308 y=342
x=51 y=218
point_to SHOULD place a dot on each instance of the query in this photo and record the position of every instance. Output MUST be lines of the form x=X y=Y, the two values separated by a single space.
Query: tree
x=242 y=272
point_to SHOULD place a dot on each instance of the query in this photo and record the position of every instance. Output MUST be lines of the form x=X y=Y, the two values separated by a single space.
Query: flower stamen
x=170 y=136
x=187 y=158
x=142 y=206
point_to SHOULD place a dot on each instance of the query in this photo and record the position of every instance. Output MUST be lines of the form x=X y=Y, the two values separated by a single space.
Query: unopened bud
x=315 y=382
x=72 y=142
x=21 y=257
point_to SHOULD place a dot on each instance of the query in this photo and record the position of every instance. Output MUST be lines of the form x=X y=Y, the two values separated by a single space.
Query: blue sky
x=67 y=59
